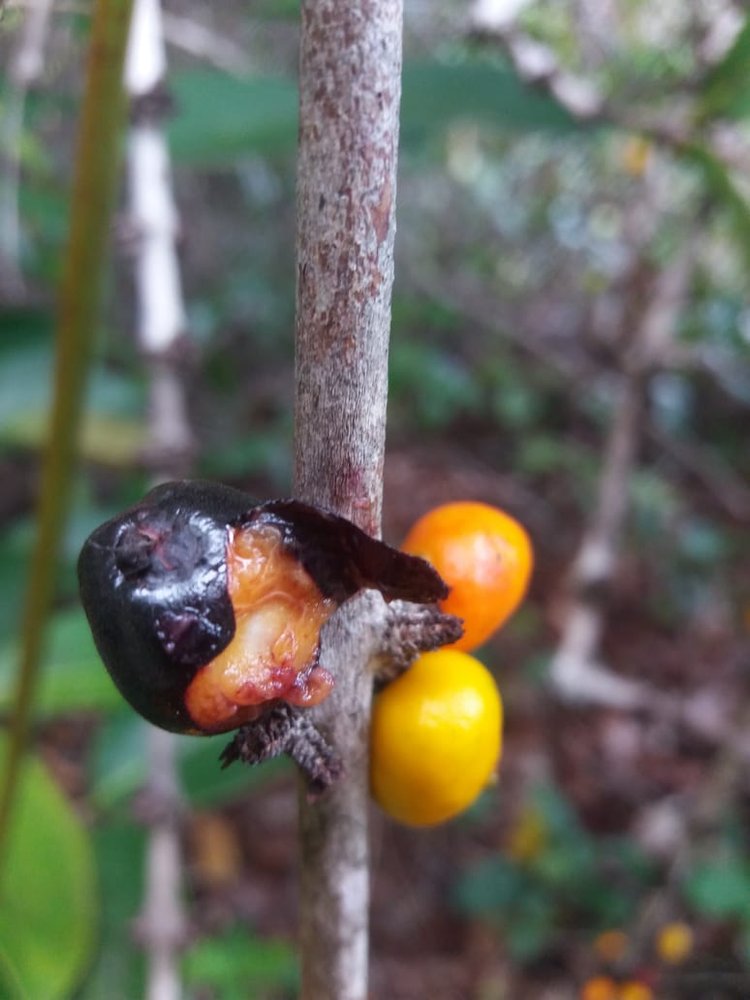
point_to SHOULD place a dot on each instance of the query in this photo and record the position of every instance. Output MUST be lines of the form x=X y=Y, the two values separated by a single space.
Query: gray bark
x=350 y=71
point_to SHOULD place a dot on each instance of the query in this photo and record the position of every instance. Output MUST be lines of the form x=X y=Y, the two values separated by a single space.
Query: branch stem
x=350 y=73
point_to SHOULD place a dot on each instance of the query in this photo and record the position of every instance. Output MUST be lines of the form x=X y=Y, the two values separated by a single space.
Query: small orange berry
x=599 y=988
x=674 y=943
x=484 y=556
x=611 y=945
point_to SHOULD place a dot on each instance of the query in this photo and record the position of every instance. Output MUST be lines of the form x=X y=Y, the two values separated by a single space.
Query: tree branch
x=575 y=671
x=160 y=328
x=25 y=69
x=350 y=65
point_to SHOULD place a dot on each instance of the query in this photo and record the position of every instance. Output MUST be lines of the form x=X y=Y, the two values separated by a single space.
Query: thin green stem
x=94 y=185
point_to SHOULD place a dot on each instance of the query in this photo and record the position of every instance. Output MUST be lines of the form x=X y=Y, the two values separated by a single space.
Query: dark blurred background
x=571 y=342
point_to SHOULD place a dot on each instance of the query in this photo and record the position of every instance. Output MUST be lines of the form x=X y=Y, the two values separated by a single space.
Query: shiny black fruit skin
x=153 y=583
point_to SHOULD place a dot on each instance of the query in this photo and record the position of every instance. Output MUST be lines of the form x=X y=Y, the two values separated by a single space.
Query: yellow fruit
x=674 y=943
x=633 y=989
x=436 y=737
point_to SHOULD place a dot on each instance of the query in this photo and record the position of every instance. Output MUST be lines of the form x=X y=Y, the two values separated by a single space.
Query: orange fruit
x=612 y=945
x=435 y=738
x=599 y=988
x=485 y=557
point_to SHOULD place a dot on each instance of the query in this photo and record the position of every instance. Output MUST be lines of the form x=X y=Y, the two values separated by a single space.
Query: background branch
x=350 y=66
x=96 y=171
x=161 y=321
x=575 y=671
x=25 y=69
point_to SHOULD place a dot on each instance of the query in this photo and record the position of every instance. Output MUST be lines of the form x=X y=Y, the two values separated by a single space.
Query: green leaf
x=111 y=432
x=73 y=677
x=726 y=91
x=531 y=927
x=14 y=554
x=221 y=117
x=118 y=966
x=720 y=183
x=48 y=909
x=118 y=762
x=120 y=765
x=436 y=93
x=492 y=887
x=107 y=440
x=433 y=386
x=277 y=10
x=237 y=965
x=720 y=888
x=207 y=784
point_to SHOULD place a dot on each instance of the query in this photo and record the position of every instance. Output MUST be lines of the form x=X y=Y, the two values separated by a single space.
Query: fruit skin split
x=206 y=606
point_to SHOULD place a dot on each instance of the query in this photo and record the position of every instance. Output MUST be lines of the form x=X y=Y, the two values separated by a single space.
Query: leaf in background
x=236 y=966
x=117 y=972
x=277 y=10
x=720 y=888
x=221 y=117
x=14 y=554
x=26 y=371
x=492 y=888
x=119 y=766
x=206 y=784
x=73 y=677
x=431 y=385
x=118 y=761
x=721 y=185
x=506 y=894
x=49 y=905
x=726 y=91
x=111 y=434
x=435 y=94
x=111 y=441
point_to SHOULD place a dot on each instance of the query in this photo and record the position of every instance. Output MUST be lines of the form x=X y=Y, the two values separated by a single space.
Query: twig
x=97 y=163
x=184 y=33
x=350 y=67
x=727 y=489
x=575 y=672
x=161 y=925
x=161 y=322
x=198 y=40
x=537 y=65
x=25 y=69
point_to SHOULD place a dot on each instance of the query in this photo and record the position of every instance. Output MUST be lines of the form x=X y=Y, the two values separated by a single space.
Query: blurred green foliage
x=236 y=965
x=554 y=878
x=49 y=914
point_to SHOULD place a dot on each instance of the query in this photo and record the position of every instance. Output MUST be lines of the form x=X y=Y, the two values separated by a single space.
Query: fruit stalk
x=93 y=196
x=350 y=69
